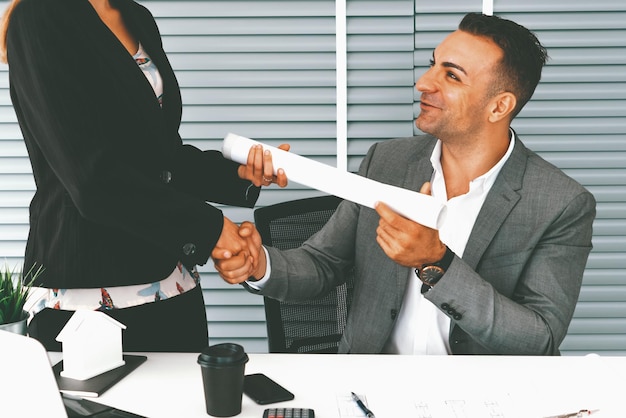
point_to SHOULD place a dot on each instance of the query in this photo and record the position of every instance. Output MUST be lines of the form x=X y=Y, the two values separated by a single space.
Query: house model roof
x=85 y=318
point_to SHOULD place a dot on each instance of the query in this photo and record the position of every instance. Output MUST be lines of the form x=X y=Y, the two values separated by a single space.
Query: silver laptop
x=28 y=387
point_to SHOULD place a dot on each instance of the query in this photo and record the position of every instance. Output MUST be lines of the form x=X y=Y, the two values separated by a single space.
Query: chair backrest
x=314 y=326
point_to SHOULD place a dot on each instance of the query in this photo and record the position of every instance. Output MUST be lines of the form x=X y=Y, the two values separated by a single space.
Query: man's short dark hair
x=523 y=58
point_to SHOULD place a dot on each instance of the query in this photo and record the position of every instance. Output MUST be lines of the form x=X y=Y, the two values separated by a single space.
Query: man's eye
x=431 y=62
x=452 y=76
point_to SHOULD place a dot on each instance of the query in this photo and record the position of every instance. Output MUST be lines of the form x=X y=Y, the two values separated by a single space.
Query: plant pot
x=18 y=327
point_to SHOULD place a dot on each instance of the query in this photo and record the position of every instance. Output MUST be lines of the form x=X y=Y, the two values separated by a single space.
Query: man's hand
x=406 y=242
x=259 y=168
x=239 y=269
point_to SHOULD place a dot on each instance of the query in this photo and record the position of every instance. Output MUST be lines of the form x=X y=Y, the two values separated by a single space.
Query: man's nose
x=425 y=82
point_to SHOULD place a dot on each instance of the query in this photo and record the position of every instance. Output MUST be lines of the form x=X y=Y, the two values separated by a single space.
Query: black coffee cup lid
x=225 y=354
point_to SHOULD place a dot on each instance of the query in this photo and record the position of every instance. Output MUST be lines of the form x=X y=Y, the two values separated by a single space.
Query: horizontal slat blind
x=577 y=121
x=16 y=181
x=261 y=69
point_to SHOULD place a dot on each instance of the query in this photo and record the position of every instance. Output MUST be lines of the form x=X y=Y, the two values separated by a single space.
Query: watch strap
x=445 y=261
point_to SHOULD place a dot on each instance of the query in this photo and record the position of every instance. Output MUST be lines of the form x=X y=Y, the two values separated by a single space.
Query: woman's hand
x=259 y=168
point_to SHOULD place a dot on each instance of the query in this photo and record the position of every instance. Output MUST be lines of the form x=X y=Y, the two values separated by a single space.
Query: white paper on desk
x=416 y=206
x=501 y=407
x=348 y=408
x=472 y=406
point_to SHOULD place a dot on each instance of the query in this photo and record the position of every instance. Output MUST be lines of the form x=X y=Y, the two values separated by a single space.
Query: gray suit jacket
x=513 y=292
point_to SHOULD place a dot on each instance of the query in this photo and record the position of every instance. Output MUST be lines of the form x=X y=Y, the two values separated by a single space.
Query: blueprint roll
x=416 y=206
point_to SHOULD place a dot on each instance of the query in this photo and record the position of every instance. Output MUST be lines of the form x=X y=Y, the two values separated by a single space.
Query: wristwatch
x=431 y=273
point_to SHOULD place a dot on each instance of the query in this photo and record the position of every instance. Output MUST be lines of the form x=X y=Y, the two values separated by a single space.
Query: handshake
x=238 y=254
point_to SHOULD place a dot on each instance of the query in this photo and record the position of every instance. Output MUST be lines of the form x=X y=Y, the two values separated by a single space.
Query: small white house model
x=92 y=345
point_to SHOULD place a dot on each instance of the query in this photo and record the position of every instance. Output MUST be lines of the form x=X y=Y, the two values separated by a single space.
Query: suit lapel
x=419 y=169
x=146 y=33
x=501 y=199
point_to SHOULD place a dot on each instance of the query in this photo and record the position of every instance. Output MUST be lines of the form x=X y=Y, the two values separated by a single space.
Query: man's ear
x=501 y=106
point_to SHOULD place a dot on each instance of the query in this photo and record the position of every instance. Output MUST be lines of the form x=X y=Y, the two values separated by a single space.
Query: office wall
x=266 y=69
x=578 y=121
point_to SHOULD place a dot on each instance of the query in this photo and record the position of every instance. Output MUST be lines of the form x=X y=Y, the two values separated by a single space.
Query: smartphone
x=263 y=390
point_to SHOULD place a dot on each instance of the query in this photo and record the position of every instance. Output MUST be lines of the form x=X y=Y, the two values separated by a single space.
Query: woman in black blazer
x=120 y=216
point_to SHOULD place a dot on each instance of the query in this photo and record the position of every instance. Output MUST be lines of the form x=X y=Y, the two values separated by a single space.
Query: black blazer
x=119 y=198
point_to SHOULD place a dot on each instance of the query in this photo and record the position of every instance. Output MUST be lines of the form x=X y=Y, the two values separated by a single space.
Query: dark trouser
x=176 y=324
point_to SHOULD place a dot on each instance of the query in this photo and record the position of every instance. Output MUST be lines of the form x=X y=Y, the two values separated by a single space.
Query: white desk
x=170 y=385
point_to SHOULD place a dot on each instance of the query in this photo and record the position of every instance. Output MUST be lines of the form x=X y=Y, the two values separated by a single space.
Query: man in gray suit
x=503 y=273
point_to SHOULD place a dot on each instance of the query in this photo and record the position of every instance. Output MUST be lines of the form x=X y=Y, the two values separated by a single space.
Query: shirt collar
x=484 y=181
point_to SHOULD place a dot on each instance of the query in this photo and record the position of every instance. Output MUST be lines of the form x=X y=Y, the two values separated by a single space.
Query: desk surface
x=169 y=384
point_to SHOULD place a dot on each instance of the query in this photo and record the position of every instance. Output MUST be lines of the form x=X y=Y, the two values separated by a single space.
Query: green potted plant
x=14 y=291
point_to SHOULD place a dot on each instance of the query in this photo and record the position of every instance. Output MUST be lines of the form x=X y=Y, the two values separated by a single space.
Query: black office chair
x=313 y=326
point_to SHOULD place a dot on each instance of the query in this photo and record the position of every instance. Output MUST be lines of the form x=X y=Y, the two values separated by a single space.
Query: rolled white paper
x=416 y=206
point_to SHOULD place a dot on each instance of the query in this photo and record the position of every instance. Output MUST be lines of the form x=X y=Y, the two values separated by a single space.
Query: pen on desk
x=361 y=405
x=577 y=414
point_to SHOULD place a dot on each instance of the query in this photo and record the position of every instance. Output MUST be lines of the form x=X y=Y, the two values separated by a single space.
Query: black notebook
x=97 y=385
x=81 y=408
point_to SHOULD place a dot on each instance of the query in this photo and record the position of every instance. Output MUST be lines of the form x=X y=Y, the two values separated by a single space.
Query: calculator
x=289 y=413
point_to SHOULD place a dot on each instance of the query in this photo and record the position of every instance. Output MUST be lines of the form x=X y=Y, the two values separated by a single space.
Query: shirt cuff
x=260 y=283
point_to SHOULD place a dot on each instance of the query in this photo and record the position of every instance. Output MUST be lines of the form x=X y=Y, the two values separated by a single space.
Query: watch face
x=431 y=274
